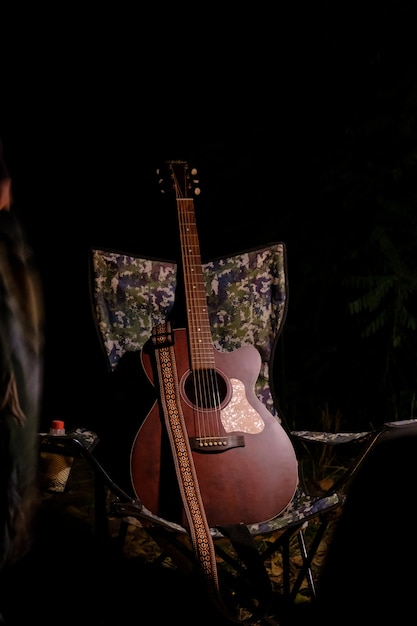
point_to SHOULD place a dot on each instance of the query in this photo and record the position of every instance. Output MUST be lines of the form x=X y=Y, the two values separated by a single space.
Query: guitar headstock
x=183 y=179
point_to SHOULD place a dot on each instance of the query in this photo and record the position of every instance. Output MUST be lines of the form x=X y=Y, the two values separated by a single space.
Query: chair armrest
x=327 y=437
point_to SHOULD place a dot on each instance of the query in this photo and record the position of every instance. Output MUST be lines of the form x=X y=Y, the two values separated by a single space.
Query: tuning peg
x=161 y=181
x=196 y=181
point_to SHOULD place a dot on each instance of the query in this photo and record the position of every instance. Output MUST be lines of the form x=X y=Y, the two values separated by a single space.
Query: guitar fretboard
x=200 y=338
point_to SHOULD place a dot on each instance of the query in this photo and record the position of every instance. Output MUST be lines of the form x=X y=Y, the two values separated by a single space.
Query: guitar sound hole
x=205 y=388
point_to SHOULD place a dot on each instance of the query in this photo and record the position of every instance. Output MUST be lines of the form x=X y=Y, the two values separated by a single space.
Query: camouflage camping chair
x=247 y=304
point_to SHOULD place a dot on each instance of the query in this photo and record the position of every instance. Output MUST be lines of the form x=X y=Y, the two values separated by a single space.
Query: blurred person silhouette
x=5 y=184
x=21 y=372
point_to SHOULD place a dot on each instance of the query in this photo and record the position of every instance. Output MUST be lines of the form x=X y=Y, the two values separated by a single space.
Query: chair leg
x=286 y=567
x=122 y=534
x=100 y=509
x=308 y=555
x=309 y=571
x=308 y=552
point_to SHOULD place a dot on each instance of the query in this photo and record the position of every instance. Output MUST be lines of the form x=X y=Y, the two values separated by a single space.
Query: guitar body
x=250 y=479
x=219 y=434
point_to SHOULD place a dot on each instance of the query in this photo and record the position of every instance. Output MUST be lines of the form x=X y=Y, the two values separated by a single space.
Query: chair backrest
x=246 y=296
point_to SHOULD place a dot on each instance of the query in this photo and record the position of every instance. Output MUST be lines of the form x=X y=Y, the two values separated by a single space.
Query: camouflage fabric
x=302 y=507
x=329 y=438
x=246 y=297
x=131 y=295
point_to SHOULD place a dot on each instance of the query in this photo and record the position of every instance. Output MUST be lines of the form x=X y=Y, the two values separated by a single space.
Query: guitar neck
x=199 y=333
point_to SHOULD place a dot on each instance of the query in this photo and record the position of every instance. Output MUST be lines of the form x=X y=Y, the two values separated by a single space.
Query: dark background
x=264 y=101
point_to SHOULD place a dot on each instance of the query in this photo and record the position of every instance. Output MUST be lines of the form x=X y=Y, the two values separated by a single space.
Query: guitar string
x=208 y=372
x=184 y=229
x=206 y=392
x=205 y=381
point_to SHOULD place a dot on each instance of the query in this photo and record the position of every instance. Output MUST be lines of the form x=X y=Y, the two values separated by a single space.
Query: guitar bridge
x=216 y=444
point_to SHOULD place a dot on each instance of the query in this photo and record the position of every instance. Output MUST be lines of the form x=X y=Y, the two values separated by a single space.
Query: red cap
x=57 y=425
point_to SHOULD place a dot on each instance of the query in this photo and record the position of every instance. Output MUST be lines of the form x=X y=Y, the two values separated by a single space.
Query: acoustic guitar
x=244 y=460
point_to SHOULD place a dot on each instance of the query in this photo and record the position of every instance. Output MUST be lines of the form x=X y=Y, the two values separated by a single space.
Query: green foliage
x=385 y=298
x=356 y=287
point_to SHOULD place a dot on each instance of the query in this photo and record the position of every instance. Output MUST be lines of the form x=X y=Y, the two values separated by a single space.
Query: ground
x=70 y=577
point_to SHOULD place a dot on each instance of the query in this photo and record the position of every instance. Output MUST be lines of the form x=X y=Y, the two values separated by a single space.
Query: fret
x=199 y=332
